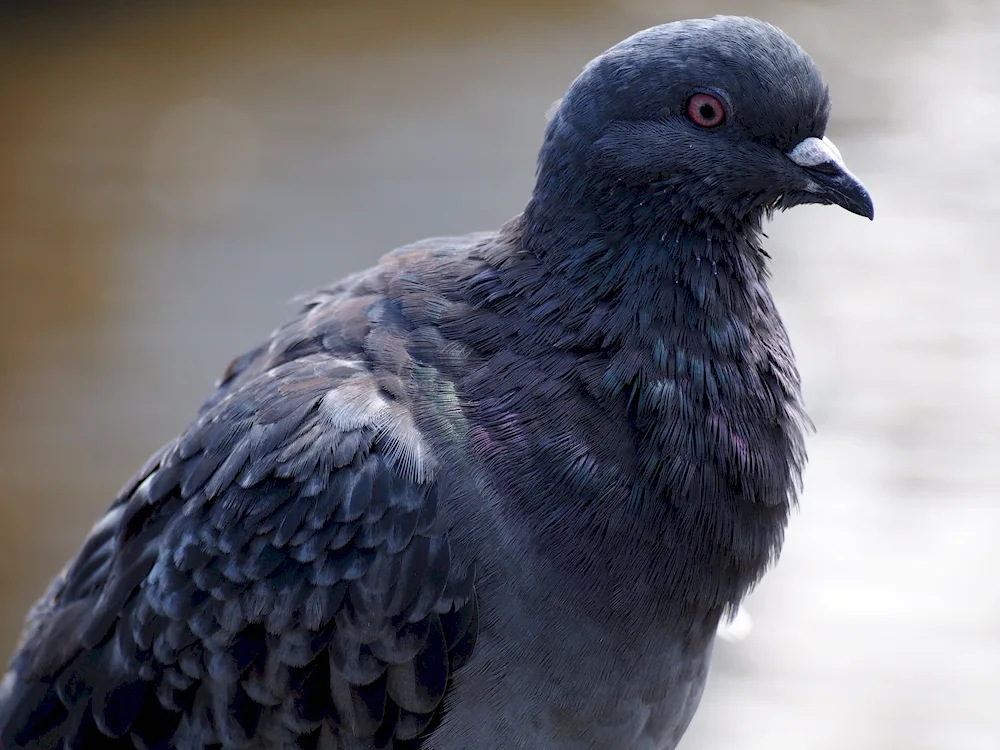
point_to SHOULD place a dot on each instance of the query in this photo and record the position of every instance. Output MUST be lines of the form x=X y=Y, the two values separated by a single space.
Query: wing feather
x=276 y=573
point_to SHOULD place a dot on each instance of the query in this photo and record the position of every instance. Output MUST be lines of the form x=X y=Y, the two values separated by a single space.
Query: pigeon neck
x=621 y=282
x=683 y=331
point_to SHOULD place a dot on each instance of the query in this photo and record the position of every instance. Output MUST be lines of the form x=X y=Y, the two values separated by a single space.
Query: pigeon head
x=710 y=123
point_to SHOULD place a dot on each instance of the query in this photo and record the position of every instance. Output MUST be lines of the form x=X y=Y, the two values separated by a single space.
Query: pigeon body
x=497 y=491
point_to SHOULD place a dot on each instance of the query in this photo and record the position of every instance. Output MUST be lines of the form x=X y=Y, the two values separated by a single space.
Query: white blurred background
x=171 y=173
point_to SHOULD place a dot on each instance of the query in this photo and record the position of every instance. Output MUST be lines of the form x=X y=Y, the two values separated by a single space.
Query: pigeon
x=499 y=490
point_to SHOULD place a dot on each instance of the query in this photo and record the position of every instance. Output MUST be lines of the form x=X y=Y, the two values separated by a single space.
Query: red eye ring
x=706 y=111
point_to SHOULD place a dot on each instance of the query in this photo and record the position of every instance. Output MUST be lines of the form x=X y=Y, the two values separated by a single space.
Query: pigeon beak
x=829 y=179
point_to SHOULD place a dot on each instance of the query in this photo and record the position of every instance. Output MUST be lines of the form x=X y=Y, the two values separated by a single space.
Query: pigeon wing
x=280 y=569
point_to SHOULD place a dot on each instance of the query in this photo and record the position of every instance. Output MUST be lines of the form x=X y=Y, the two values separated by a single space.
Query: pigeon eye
x=706 y=111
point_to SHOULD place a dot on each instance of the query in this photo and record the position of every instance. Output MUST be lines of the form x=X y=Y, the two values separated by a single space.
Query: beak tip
x=846 y=191
x=865 y=206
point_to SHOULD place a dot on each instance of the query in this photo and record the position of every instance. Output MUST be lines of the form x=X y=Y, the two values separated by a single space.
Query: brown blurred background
x=171 y=173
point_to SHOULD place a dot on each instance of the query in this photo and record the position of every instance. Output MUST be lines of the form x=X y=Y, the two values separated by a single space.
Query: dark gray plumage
x=495 y=492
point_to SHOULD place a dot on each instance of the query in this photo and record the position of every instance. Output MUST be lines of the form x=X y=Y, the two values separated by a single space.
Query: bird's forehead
x=775 y=90
x=774 y=86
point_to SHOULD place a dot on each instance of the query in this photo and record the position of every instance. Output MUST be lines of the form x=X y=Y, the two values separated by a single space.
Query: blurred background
x=172 y=173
